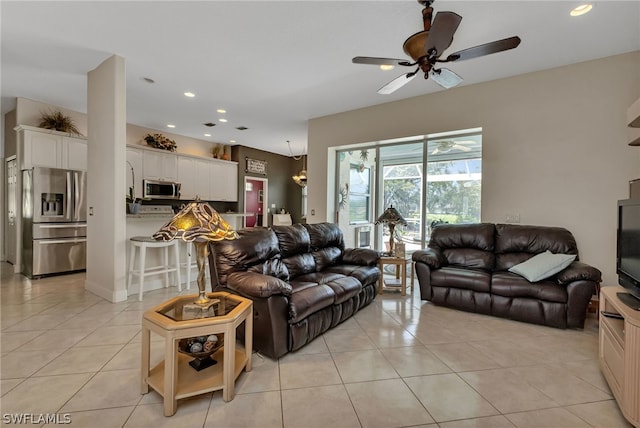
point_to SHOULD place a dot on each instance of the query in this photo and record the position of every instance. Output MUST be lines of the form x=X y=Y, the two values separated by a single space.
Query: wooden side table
x=401 y=270
x=174 y=378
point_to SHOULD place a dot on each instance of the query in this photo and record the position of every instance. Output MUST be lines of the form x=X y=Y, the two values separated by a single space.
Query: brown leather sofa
x=466 y=266
x=301 y=279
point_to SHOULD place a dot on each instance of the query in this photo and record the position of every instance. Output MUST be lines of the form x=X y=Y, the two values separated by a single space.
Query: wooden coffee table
x=174 y=378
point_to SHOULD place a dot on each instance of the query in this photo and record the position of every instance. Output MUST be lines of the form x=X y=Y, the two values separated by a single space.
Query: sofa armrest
x=431 y=257
x=360 y=256
x=258 y=285
x=578 y=271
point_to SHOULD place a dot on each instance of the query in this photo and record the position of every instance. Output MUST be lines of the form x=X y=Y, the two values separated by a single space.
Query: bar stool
x=144 y=242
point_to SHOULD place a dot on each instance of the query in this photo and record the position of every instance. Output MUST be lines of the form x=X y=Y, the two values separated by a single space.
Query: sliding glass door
x=430 y=179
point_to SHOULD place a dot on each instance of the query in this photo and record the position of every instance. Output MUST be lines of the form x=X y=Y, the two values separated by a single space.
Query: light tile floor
x=400 y=362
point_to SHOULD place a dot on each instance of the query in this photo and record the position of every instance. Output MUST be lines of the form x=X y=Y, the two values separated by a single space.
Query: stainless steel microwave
x=156 y=189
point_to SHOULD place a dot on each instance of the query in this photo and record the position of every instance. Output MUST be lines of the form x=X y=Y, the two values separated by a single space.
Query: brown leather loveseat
x=301 y=279
x=466 y=266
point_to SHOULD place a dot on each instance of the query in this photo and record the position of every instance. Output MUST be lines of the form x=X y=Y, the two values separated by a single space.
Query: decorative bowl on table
x=201 y=348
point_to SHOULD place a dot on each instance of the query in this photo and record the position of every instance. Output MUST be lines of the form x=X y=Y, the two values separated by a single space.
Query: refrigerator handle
x=67 y=201
x=76 y=196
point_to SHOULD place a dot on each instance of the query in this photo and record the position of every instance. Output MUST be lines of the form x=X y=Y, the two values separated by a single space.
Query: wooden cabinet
x=160 y=166
x=51 y=149
x=619 y=351
x=224 y=181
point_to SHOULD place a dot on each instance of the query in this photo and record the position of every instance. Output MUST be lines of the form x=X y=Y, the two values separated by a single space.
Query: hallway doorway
x=255 y=201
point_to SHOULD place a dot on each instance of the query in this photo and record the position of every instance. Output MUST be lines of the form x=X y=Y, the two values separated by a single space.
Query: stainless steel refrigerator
x=54 y=221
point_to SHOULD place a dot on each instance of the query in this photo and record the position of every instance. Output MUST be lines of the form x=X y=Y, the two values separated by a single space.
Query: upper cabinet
x=224 y=181
x=51 y=149
x=209 y=179
x=193 y=175
x=160 y=166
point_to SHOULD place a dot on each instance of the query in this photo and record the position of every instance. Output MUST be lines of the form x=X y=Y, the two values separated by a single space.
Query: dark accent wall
x=282 y=190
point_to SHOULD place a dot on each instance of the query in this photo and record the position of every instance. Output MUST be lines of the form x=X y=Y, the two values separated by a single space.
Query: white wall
x=554 y=146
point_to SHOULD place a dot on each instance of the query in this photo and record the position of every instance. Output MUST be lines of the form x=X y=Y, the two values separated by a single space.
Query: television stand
x=630 y=300
x=619 y=350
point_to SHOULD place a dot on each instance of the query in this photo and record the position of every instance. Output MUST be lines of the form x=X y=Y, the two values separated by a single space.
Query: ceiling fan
x=426 y=47
x=448 y=145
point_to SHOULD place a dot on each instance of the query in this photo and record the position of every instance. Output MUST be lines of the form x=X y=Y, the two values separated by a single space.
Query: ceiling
x=273 y=65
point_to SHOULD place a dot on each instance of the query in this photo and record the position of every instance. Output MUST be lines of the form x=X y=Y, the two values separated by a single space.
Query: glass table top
x=182 y=308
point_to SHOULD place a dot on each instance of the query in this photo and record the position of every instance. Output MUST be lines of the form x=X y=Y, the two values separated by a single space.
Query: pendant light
x=301 y=177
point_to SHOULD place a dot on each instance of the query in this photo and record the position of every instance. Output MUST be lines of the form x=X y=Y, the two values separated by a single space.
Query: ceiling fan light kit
x=426 y=48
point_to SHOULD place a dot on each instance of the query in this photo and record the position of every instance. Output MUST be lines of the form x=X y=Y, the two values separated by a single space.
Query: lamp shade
x=197 y=221
x=391 y=216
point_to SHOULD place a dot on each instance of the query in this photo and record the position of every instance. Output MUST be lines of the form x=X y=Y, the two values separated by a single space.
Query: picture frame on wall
x=256 y=166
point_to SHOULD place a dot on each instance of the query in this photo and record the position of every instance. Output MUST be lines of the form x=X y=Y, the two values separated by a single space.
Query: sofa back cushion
x=256 y=250
x=468 y=245
x=295 y=249
x=327 y=244
x=517 y=243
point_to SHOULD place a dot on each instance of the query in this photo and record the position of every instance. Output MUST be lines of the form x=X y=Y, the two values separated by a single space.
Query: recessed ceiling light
x=232 y=141
x=148 y=80
x=209 y=124
x=581 y=10
x=221 y=110
x=207 y=135
x=222 y=120
x=242 y=128
x=387 y=67
x=189 y=94
x=170 y=126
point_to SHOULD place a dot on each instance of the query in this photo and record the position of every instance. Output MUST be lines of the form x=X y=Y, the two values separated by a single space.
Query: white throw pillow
x=542 y=265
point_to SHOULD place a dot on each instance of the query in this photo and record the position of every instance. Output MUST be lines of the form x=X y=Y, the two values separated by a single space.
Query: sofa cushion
x=516 y=243
x=344 y=288
x=300 y=264
x=253 y=246
x=542 y=266
x=509 y=284
x=327 y=256
x=306 y=300
x=319 y=277
x=470 y=245
x=364 y=274
x=292 y=240
x=475 y=280
x=324 y=235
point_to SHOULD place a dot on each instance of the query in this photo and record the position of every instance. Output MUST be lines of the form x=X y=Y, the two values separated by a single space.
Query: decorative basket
x=185 y=344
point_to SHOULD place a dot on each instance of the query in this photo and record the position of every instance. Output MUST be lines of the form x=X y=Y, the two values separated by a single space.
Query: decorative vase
x=134 y=207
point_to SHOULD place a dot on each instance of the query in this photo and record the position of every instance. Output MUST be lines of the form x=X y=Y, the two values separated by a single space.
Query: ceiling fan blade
x=485 y=49
x=440 y=37
x=461 y=148
x=379 y=61
x=445 y=77
x=396 y=83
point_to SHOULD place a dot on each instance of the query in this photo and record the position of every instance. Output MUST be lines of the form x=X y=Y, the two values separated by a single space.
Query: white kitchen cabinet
x=194 y=176
x=160 y=166
x=74 y=154
x=51 y=149
x=224 y=181
x=134 y=171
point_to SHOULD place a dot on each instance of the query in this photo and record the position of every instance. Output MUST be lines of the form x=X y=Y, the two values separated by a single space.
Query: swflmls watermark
x=36 y=418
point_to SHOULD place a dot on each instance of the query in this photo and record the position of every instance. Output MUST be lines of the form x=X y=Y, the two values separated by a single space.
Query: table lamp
x=391 y=217
x=199 y=223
